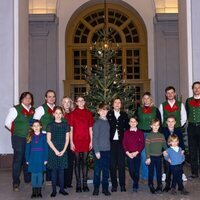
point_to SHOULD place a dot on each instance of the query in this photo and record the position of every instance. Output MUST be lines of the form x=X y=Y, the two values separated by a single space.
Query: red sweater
x=133 y=141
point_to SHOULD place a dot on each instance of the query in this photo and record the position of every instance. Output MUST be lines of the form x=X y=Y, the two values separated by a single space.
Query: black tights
x=81 y=165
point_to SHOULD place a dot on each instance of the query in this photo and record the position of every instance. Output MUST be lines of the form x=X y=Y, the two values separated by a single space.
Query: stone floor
x=6 y=192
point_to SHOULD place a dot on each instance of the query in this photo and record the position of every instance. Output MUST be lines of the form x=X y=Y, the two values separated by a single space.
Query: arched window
x=126 y=28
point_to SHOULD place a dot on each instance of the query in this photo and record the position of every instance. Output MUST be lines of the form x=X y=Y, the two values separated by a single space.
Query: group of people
x=58 y=139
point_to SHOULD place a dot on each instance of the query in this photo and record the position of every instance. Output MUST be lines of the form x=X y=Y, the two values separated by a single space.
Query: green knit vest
x=22 y=122
x=193 y=111
x=144 y=119
x=176 y=114
x=46 y=118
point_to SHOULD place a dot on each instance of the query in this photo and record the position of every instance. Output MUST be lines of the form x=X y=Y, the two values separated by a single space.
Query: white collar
x=175 y=148
x=27 y=108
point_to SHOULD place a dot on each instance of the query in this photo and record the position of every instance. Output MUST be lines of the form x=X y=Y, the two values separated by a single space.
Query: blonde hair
x=172 y=138
x=151 y=99
x=71 y=108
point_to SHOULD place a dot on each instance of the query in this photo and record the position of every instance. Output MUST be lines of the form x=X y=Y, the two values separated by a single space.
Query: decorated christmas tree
x=105 y=79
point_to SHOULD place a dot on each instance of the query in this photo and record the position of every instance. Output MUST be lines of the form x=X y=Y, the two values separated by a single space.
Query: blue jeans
x=36 y=180
x=19 y=145
x=102 y=165
x=134 y=169
x=60 y=174
x=156 y=163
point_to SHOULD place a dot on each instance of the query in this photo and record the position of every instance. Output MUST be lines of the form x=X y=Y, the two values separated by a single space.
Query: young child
x=58 y=140
x=101 y=146
x=154 y=145
x=167 y=131
x=36 y=156
x=175 y=156
x=133 y=143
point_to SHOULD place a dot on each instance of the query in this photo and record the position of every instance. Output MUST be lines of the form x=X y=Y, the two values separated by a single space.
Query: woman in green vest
x=145 y=113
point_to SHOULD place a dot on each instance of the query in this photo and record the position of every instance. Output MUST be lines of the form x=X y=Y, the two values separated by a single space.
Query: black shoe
x=53 y=194
x=95 y=192
x=114 y=189
x=159 y=189
x=63 y=192
x=123 y=189
x=33 y=193
x=173 y=191
x=166 y=189
x=78 y=189
x=106 y=192
x=86 y=188
x=184 y=192
x=193 y=176
x=152 y=189
x=69 y=186
x=39 y=192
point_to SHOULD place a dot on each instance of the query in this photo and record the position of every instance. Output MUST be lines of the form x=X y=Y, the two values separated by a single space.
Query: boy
x=167 y=131
x=175 y=156
x=133 y=143
x=101 y=146
x=154 y=144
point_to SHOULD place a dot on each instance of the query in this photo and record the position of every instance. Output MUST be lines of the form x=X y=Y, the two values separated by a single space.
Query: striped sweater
x=154 y=144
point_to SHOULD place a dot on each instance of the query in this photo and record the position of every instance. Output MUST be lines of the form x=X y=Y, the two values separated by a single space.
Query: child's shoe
x=159 y=189
x=106 y=192
x=95 y=192
x=39 y=192
x=152 y=189
x=173 y=191
x=184 y=192
x=33 y=193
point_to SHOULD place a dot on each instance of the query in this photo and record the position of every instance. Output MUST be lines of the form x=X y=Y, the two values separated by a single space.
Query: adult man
x=18 y=122
x=44 y=113
x=193 y=113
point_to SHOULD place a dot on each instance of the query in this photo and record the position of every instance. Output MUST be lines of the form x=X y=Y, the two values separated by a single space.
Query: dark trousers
x=102 y=165
x=68 y=173
x=134 y=169
x=156 y=162
x=194 y=147
x=167 y=171
x=19 y=161
x=57 y=173
x=117 y=162
x=177 y=176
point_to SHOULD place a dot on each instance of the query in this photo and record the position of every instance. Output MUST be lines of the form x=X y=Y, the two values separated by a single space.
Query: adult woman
x=18 y=122
x=145 y=113
x=68 y=107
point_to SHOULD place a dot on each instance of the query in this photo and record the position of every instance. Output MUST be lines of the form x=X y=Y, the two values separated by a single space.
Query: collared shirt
x=116 y=136
x=183 y=112
x=12 y=114
x=39 y=112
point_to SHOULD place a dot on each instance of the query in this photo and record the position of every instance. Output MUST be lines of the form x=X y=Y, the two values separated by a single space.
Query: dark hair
x=24 y=94
x=169 y=88
x=31 y=131
x=102 y=106
x=50 y=91
x=133 y=117
x=171 y=117
x=58 y=108
x=196 y=82
x=153 y=121
x=116 y=98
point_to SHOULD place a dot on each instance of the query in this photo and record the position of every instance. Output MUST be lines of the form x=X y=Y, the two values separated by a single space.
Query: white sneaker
x=184 y=178
x=163 y=177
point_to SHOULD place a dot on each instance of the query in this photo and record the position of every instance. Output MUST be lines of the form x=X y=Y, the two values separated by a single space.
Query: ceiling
x=50 y=6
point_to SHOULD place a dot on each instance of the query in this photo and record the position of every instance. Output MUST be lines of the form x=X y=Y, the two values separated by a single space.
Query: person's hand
x=165 y=153
x=148 y=161
x=72 y=146
x=27 y=163
x=169 y=160
x=134 y=154
x=57 y=152
x=90 y=145
x=98 y=155
x=129 y=155
x=61 y=153
x=182 y=152
x=45 y=162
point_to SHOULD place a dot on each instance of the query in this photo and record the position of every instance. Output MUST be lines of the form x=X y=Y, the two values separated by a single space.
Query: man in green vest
x=193 y=113
x=18 y=122
x=44 y=113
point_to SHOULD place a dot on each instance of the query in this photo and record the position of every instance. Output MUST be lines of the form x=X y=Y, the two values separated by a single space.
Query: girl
x=36 y=156
x=58 y=139
x=68 y=107
x=133 y=143
x=81 y=122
